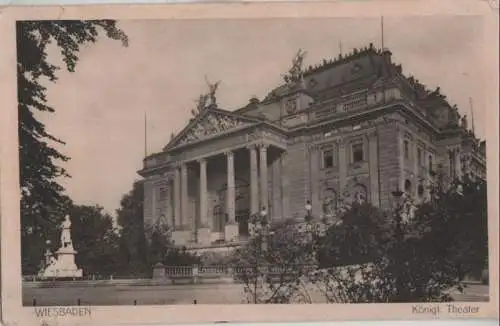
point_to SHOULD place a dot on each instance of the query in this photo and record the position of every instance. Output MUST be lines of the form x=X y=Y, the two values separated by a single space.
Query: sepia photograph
x=328 y=160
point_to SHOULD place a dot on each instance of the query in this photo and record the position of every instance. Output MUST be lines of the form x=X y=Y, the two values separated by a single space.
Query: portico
x=215 y=181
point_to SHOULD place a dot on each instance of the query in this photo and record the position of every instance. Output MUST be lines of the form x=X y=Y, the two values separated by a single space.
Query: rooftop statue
x=295 y=73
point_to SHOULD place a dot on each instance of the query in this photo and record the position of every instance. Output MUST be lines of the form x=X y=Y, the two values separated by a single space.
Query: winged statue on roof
x=296 y=72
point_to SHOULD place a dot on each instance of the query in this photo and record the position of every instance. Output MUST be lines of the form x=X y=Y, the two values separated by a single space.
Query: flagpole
x=145 y=134
x=472 y=114
x=382 y=31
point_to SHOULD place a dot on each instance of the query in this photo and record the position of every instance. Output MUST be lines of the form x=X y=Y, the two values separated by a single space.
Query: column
x=177 y=198
x=264 y=202
x=416 y=165
x=342 y=166
x=428 y=181
x=373 y=166
x=285 y=187
x=401 y=162
x=170 y=204
x=231 y=229
x=203 y=193
x=313 y=182
x=458 y=164
x=230 y=193
x=254 y=181
x=184 y=194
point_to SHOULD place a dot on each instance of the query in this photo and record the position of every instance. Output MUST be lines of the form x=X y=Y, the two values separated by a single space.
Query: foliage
x=43 y=201
x=95 y=240
x=273 y=262
x=454 y=226
x=357 y=240
x=421 y=259
x=133 y=248
x=142 y=245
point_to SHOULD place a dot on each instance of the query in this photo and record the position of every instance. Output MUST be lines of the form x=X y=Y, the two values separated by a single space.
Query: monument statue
x=63 y=264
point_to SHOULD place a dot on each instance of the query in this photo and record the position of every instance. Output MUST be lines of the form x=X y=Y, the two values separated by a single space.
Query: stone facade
x=354 y=128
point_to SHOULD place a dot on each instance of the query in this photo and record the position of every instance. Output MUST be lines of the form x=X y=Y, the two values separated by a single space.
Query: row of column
x=181 y=198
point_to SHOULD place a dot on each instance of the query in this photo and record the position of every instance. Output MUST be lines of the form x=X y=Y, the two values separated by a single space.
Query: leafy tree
x=273 y=263
x=357 y=239
x=422 y=259
x=130 y=218
x=95 y=240
x=142 y=245
x=43 y=201
x=454 y=226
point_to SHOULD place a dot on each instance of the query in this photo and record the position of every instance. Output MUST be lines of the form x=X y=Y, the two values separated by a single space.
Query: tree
x=422 y=259
x=142 y=245
x=454 y=225
x=357 y=240
x=95 y=240
x=130 y=218
x=43 y=201
x=273 y=262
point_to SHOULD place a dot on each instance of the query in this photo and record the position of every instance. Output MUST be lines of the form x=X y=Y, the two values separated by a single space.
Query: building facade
x=352 y=128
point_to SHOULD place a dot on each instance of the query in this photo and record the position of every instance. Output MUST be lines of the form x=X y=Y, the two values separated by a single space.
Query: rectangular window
x=419 y=156
x=357 y=152
x=163 y=194
x=430 y=163
x=406 y=149
x=328 y=159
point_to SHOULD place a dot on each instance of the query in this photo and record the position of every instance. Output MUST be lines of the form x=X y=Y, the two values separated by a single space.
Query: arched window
x=360 y=194
x=329 y=202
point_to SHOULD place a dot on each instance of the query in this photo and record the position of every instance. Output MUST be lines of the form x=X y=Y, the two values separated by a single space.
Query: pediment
x=209 y=124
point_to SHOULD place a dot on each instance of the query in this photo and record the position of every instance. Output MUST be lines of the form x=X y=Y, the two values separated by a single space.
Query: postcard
x=259 y=162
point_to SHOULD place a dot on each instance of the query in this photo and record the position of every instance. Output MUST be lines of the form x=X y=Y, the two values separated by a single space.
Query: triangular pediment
x=208 y=124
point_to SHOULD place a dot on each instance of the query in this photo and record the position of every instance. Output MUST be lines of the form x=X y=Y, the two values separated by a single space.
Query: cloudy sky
x=100 y=107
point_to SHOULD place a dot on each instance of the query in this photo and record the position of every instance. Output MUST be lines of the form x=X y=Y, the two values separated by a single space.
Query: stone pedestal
x=181 y=237
x=231 y=232
x=159 y=271
x=205 y=236
x=216 y=236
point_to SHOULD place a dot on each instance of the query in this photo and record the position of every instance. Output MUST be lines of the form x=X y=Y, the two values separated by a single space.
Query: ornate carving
x=211 y=124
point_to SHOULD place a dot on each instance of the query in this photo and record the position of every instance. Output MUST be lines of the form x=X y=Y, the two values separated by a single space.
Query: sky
x=100 y=107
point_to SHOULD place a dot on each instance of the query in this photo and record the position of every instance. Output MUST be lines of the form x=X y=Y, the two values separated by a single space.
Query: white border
x=13 y=312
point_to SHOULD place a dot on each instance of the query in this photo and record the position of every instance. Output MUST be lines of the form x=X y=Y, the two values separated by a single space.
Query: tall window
x=419 y=156
x=406 y=149
x=357 y=152
x=163 y=194
x=328 y=159
x=430 y=163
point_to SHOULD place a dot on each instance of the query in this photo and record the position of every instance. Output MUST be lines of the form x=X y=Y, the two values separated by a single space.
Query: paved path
x=168 y=294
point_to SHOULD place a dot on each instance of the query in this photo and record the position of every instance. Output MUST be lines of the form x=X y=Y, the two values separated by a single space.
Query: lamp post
x=396 y=249
x=264 y=228
x=308 y=208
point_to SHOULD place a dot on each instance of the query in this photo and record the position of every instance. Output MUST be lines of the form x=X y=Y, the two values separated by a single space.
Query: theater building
x=352 y=128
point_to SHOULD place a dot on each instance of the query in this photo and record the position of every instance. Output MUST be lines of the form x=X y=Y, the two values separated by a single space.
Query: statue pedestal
x=63 y=265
